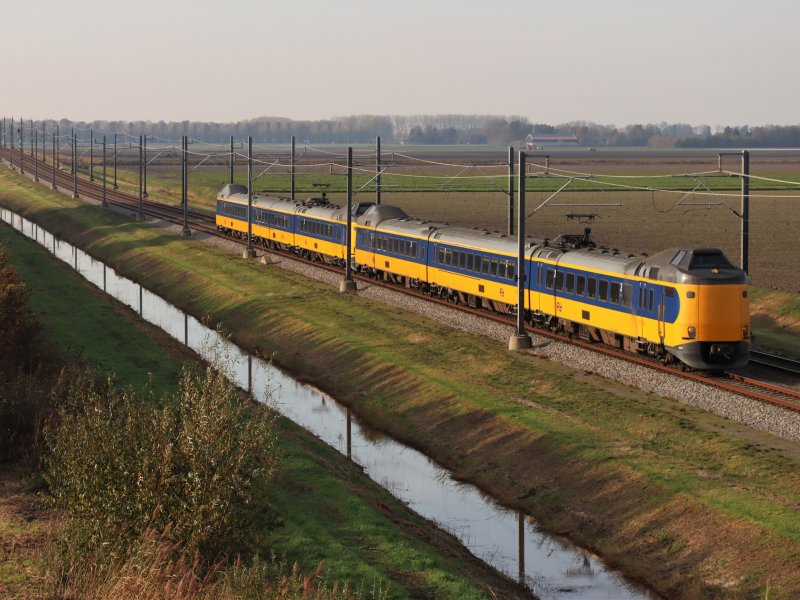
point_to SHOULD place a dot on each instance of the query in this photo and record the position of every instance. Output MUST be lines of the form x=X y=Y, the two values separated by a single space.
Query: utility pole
x=746 y=211
x=185 y=188
x=58 y=149
x=233 y=157
x=11 y=162
x=249 y=252
x=53 y=184
x=144 y=173
x=35 y=154
x=31 y=140
x=141 y=198
x=44 y=142
x=74 y=165
x=72 y=149
x=21 y=146
x=91 y=155
x=293 y=170
x=520 y=340
x=105 y=204
x=348 y=285
x=511 y=190
x=115 y=161
x=378 y=170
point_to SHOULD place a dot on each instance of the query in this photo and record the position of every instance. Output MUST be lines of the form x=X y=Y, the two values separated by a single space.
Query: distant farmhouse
x=548 y=141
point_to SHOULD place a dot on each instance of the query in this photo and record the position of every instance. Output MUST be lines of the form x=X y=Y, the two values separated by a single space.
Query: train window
x=641 y=297
x=627 y=294
x=478 y=260
x=602 y=293
x=653 y=273
x=470 y=262
x=494 y=267
x=462 y=260
x=615 y=292
x=550 y=280
x=570 y=282
x=591 y=287
x=486 y=265
x=448 y=257
x=669 y=291
x=579 y=289
x=501 y=269
x=539 y=277
x=441 y=256
x=414 y=249
x=510 y=269
x=651 y=300
x=560 y=280
x=678 y=257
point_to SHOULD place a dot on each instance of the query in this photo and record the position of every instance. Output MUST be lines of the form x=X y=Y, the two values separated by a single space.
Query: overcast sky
x=701 y=61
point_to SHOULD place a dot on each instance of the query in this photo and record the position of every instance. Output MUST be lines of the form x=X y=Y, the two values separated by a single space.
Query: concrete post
x=348 y=285
x=520 y=340
x=249 y=252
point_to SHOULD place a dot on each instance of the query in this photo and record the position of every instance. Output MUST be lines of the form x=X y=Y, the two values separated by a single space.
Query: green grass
x=327 y=509
x=776 y=320
x=590 y=457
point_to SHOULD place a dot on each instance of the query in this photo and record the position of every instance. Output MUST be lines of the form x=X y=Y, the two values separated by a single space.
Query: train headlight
x=692 y=333
x=745 y=332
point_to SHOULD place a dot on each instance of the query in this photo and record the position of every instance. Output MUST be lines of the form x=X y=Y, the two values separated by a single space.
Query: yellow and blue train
x=686 y=306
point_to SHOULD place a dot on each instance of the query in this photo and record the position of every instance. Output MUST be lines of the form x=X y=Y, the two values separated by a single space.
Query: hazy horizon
x=615 y=63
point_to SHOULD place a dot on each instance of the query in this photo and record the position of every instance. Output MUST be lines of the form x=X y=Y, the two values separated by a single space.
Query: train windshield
x=710 y=260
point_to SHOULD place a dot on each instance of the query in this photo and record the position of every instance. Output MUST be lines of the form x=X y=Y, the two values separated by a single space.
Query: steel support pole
x=185 y=192
x=233 y=157
x=378 y=170
x=141 y=198
x=511 y=190
x=74 y=165
x=144 y=167
x=105 y=203
x=31 y=140
x=11 y=154
x=21 y=146
x=348 y=285
x=58 y=148
x=53 y=185
x=115 y=161
x=249 y=252
x=293 y=170
x=91 y=155
x=44 y=142
x=35 y=155
x=746 y=211
x=520 y=340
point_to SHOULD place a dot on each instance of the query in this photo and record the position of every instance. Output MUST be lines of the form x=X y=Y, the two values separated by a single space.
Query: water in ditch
x=551 y=567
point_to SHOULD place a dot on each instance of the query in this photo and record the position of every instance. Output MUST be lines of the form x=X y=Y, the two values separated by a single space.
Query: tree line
x=496 y=130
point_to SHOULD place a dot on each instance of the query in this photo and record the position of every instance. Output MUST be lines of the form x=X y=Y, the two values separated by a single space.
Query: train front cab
x=712 y=331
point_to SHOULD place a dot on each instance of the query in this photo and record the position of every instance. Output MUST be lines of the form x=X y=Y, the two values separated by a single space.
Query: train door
x=661 y=313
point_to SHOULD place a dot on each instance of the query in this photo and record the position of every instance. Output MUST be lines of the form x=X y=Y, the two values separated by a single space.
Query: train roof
x=482 y=238
x=692 y=266
x=600 y=259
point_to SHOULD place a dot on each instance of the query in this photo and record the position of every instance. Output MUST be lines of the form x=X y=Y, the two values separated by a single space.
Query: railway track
x=200 y=221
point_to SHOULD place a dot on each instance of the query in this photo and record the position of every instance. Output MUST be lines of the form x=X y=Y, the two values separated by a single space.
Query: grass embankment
x=776 y=320
x=693 y=504
x=327 y=509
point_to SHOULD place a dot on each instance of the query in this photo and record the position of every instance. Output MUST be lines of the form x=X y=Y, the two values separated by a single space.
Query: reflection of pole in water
x=250 y=374
x=521 y=545
x=349 y=437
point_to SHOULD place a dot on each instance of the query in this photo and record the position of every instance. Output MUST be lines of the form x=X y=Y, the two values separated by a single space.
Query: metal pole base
x=116 y=187
x=347 y=287
x=185 y=233
x=35 y=180
x=249 y=253
x=76 y=196
x=519 y=342
x=53 y=187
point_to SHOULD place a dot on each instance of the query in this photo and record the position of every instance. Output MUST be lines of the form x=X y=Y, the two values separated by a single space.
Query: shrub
x=121 y=463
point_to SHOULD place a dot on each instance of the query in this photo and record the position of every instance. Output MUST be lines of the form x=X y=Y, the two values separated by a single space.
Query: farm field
x=630 y=220
x=696 y=505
